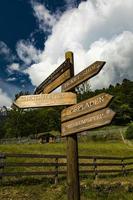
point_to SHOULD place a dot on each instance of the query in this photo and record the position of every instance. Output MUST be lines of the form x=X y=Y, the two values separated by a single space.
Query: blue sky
x=19 y=23
x=35 y=34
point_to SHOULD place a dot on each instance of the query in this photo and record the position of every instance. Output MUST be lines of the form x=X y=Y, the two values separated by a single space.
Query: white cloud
x=118 y=55
x=4 y=48
x=5 y=52
x=45 y=19
x=11 y=79
x=97 y=29
x=14 y=66
x=4 y=99
x=27 y=52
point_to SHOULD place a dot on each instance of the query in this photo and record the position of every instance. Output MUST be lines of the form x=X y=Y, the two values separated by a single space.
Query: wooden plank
x=53 y=156
x=84 y=75
x=90 y=105
x=57 y=82
x=86 y=122
x=39 y=173
x=105 y=171
x=65 y=70
x=28 y=155
x=61 y=164
x=101 y=157
x=100 y=164
x=42 y=100
x=33 y=164
x=3 y=174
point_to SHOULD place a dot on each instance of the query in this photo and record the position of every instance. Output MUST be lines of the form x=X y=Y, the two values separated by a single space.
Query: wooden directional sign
x=86 y=122
x=84 y=75
x=95 y=103
x=42 y=100
x=60 y=75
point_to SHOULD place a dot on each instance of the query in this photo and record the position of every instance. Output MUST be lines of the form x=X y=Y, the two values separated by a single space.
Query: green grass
x=104 y=188
x=88 y=148
x=101 y=189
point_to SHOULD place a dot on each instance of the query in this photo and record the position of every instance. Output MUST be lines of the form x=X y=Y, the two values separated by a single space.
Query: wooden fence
x=19 y=165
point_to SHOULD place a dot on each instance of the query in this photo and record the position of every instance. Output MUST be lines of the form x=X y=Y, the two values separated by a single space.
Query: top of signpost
x=59 y=76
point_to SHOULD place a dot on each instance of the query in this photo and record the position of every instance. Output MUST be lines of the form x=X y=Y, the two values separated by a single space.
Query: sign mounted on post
x=84 y=75
x=89 y=121
x=92 y=104
x=42 y=100
x=58 y=77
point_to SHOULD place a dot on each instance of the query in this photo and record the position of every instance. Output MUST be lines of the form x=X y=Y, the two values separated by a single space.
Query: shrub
x=129 y=131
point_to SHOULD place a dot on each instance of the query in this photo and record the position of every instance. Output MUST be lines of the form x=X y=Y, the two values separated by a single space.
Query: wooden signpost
x=59 y=76
x=88 y=114
x=84 y=75
x=43 y=100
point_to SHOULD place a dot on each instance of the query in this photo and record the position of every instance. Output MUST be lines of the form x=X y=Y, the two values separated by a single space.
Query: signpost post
x=73 y=190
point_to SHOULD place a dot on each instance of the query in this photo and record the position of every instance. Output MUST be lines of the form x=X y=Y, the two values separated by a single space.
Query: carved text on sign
x=65 y=66
x=42 y=100
x=84 y=75
x=89 y=121
x=87 y=106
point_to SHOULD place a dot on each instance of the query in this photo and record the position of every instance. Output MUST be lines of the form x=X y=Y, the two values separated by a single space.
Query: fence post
x=2 y=156
x=56 y=171
x=123 y=167
x=95 y=168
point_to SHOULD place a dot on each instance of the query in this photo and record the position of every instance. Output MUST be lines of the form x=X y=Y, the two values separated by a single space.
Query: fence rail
x=55 y=165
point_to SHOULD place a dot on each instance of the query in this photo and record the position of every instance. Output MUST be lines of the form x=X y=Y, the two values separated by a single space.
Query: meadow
x=43 y=188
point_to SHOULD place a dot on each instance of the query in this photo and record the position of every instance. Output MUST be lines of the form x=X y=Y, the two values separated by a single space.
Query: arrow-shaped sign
x=42 y=100
x=60 y=75
x=84 y=75
x=90 y=105
x=86 y=122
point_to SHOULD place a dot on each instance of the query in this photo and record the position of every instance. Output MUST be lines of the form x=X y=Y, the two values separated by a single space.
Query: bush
x=129 y=131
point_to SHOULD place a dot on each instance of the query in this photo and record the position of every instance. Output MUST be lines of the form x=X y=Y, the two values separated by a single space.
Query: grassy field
x=117 y=148
x=44 y=189
x=103 y=188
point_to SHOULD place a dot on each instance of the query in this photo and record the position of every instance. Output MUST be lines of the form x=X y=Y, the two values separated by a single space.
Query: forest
x=23 y=123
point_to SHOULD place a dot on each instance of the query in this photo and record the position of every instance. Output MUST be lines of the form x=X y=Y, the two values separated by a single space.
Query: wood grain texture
x=86 y=122
x=84 y=75
x=42 y=100
x=73 y=185
x=90 y=105
x=57 y=82
x=53 y=79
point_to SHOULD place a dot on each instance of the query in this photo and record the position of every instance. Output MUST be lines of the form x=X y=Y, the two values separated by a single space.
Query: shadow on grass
x=46 y=181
